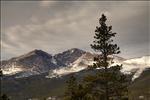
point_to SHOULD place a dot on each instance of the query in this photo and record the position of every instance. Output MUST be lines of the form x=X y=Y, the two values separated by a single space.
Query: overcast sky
x=55 y=26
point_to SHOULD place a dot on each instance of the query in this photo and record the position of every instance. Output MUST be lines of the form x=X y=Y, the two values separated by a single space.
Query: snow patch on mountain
x=64 y=71
x=140 y=64
x=11 y=71
x=136 y=65
x=54 y=60
x=27 y=74
x=145 y=60
x=11 y=68
x=80 y=64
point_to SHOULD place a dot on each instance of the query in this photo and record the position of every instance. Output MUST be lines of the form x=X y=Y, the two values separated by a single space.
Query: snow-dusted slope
x=136 y=65
x=80 y=64
x=145 y=60
x=38 y=61
x=32 y=63
x=12 y=70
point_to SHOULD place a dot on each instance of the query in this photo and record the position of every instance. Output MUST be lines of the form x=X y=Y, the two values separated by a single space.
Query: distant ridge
x=69 y=61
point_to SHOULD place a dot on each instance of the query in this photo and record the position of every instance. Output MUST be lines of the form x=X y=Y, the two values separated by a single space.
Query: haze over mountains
x=70 y=61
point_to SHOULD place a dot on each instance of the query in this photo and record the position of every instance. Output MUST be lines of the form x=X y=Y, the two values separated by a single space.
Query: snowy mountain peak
x=38 y=61
x=69 y=56
x=73 y=50
x=69 y=61
x=32 y=63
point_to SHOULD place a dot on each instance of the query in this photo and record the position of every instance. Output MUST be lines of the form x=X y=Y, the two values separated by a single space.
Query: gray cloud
x=57 y=26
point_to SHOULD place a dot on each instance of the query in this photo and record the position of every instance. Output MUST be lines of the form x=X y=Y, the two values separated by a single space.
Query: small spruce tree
x=70 y=93
x=2 y=96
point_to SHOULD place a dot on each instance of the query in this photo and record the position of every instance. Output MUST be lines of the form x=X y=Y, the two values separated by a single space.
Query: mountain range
x=38 y=61
x=40 y=74
x=69 y=61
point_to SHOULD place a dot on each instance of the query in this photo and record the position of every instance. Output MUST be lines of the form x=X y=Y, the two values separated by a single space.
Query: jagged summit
x=69 y=56
x=35 y=52
x=73 y=50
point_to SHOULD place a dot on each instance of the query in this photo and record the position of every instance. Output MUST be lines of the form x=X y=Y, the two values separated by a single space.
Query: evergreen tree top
x=103 y=38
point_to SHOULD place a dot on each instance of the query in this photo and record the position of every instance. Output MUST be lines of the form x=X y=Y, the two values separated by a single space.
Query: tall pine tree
x=108 y=83
x=110 y=77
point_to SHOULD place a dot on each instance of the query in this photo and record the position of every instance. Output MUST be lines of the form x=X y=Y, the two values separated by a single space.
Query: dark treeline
x=2 y=96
